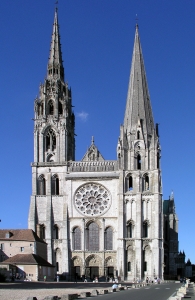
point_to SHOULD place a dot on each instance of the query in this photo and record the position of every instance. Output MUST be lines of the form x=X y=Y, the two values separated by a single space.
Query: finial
x=92 y=140
x=136 y=24
x=56 y=4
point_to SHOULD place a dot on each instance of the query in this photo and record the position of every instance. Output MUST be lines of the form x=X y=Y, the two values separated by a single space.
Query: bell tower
x=138 y=152
x=54 y=120
x=54 y=146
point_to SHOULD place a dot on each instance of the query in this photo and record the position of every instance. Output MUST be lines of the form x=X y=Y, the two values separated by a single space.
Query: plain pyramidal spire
x=55 y=63
x=138 y=105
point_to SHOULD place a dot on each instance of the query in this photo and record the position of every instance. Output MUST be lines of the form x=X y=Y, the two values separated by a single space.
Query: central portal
x=92 y=272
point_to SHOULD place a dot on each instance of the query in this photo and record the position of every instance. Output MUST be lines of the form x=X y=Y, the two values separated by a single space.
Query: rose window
x=92 y=199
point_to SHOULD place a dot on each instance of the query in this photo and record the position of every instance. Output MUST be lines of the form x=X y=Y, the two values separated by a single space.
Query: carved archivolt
x=109 y=262
x=92 y=199
x=93 y=261
x=77 y=261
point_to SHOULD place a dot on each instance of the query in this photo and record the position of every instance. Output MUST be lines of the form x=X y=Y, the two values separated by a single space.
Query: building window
x=60 y=108
x=51 y=108
x=129 y=183
x=57 y=266
x=158 y=160
x=146 y=185
x=108 y=239
x=50 y=140
x=2 y=246
x=145 y=266
x=92 y=237
x=41 y=231
x=56 y=232
x=8 y=235
x=41 y=185
x=22 y=249
x=55 y=185
x=145 y=229
x=40 y=112
x=129 y=230
x=77 y=239
x=138 y=162
x=138 y=135
x=129 y=266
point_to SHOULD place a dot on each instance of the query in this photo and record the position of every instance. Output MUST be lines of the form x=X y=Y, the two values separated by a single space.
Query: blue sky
x=97 y=39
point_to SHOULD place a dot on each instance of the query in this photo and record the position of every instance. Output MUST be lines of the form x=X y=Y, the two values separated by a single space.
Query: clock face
x=92 y=199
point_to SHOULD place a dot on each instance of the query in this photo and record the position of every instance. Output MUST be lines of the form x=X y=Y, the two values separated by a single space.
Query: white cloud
x=82 y=116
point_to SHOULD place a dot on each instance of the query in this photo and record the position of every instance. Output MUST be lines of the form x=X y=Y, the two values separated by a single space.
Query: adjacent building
x=23 y=255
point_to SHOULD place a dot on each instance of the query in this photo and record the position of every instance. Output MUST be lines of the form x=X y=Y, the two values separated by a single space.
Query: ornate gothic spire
x=55 y=64
x=138 y=106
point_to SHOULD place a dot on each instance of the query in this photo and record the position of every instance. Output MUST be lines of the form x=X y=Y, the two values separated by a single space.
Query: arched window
x=108 y=239
x=92 y=237
x=42 y=231
x=146 y=185
x=144 y=260
x=129 y=230
x=129 y=266
x=145 y=229
x=57 y=254
x=138 y=135
x=166 y=229
x=55 y=185
x=76 y=238
x=50 y=140
x=56 y=232
x=138 y=162
x=60 y=109
x=129 y=183
x=40 y=109
x=50 y=108
x=158 y=160
x=41 y=190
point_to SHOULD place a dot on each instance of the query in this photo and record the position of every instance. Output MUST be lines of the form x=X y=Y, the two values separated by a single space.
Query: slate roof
x=20 y=235
x=27 y=259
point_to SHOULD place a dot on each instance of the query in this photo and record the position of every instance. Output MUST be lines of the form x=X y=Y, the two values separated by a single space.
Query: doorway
x=92 y=272
x=110 y=272
x=77 y=273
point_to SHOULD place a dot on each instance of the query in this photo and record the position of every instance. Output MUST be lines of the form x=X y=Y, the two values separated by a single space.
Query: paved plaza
x=23 y=290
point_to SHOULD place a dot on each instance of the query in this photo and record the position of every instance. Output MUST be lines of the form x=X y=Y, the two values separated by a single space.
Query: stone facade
x=98 y=217
x=174 y=261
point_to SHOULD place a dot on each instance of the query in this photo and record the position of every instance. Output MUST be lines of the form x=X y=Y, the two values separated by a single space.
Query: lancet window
x=41 y=231
x=129 y=230
x=108 y=239
x=50 y=108
x=41 y=185
x=76 y=238
x=50 y=140
x=158 y=160
x=55 y=185
x=138 y=162
x=92 y=237
x=129 y=183
x=60 y=109
x=56 y=232
x=145 y=229
x=146 y=185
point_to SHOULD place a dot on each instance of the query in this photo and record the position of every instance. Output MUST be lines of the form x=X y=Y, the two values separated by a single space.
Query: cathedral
x=100 y=218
